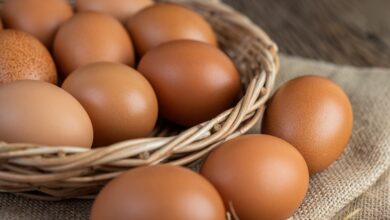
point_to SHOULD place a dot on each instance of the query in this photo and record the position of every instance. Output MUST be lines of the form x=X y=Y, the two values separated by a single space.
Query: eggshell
x=40 y=18
x=120 y=9
x=162 y=23
x=258 y=177
x=24 y=57
x=90 y=37
x=120 y=101
x=313 y=114
x=194 y=81
x=160 y=192
x=41 y=113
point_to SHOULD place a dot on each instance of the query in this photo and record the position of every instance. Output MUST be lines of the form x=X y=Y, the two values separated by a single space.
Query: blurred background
x=355 y=32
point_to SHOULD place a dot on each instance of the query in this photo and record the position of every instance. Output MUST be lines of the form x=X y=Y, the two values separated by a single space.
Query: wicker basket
x=53 y=173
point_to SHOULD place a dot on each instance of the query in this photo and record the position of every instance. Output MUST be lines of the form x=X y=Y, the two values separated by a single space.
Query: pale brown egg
x=162 y=23
x=40 y=18
x=160 y=192
x=24 y=57
x=314 y=115
x=258 y=177
x=194 y=81
x=120 y=9
x=41 y=113
x=120 y=101
x=90 y=37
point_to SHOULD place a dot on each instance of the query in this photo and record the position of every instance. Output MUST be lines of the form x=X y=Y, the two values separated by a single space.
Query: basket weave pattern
x=52 y=173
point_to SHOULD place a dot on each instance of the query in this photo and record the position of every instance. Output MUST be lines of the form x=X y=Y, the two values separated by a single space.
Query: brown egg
x=160 y=192
x=194 y=81
x=90 y=37
x=162 y=23
x=41 y=113
x=258 y=176
x=24 y=57
x=120 y=101
x=41 y=18
x=313 y=114
x=120 y=9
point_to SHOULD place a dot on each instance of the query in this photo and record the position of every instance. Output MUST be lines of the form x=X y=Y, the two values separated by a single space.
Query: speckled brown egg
x=40 y=18
x=258 y=177
x=41 y=113
x=162 y=23
x=160 y=192
x=90 y=37
x=24 y=57
x=120 y=101
x=315 y=116
x=120 y=9
x=194 y=81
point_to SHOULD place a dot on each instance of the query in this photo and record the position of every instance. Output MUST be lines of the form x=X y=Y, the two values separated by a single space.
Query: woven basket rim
x=61 y=172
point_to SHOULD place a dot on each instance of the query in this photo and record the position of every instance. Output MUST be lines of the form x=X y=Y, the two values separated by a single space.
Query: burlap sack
x=373 y=204
x=347 y=187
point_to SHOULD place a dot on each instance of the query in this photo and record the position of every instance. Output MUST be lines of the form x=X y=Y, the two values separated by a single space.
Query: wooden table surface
x=355 y=32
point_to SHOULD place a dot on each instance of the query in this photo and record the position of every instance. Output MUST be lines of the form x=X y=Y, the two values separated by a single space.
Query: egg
x=160 y=192
x=314 y=115
x=40 y=18
x=120 y=101
x=38 y=112
x=162 y=23
x=194 y=81
x=90 y=37
x=258 y=177
x=120 y=9
x=24 y=57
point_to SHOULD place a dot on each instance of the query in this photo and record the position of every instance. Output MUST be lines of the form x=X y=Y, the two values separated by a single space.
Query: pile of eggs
x=106 y=73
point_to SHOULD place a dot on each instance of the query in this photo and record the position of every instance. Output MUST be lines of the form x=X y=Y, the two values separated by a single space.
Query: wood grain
x=355 y=32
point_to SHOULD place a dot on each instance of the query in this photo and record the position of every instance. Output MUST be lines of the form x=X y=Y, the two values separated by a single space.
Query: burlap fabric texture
x=357 y=183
